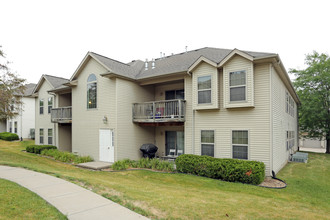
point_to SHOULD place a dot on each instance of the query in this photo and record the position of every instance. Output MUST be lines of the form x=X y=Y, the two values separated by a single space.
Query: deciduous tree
x=313 y=88
x=11 y=87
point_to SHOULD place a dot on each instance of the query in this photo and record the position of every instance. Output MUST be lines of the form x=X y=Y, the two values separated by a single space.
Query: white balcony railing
x=61 y=115
x=159 y=111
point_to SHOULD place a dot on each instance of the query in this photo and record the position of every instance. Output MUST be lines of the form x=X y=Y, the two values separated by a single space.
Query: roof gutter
x=111 y=74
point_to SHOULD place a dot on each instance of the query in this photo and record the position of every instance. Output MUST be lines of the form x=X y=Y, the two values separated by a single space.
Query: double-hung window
x=50 y=104
x=290 y=139
x=50 y=136
x=237 y=86
x=41 y=106
x=41 y=136
x=207 y=142
x=289 y=104
x=91 y=92
x=240 y=142
x=15 y=127
x=204 y=89
x=10 y=126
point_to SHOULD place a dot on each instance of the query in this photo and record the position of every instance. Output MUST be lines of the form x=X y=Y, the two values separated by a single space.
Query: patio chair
x=172 y=152
x=180 y=152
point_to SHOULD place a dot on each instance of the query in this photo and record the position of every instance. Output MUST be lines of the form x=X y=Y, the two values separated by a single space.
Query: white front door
x=107 y=149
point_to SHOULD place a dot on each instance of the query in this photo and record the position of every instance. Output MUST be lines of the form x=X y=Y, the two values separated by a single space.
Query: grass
x=16 y=202
x=180 y=196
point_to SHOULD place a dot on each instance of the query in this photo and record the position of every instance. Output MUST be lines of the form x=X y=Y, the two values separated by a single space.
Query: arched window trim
x=91 y=83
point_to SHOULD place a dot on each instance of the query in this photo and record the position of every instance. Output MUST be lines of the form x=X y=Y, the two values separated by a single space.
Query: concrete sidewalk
x=72 y=200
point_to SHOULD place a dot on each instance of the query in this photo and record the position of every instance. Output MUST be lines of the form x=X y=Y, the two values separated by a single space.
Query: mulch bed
x=273 y=183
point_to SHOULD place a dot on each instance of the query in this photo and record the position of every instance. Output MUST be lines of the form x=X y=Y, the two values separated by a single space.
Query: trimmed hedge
x=66 y=157
x=38 y=148
x=232 y=170
x=8 y=136
x=147 y=163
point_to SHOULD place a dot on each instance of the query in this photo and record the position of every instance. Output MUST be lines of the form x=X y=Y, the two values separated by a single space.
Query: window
x=289 y=139
x=237 y=85
x=15 y=127
x=41 y=136
x=50 y=104
x=174 y=94
x=41 y=106
x=91 y=92
x=204 y=89
x=10 y=126
x=289 y=104
x=207 y=142
x=240 y=143
x=50 y=136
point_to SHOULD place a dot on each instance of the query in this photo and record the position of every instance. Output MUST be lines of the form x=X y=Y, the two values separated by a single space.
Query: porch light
x=105 y=119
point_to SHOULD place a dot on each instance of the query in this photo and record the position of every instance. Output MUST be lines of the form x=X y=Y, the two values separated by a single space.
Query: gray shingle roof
x=56 y=81
x=29 y=89
x=170 y=64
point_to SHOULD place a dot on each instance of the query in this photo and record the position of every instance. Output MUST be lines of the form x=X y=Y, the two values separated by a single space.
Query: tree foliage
x=313 y=88
x=11 y=88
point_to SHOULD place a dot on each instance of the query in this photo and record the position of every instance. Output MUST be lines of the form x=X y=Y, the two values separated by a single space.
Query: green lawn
x=16 y=202
x=180 y=196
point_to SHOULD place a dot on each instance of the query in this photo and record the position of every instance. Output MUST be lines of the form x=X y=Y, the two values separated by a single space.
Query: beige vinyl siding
x=160 y=90
x=188 y=125
x=43 y=120
x=238 y=63
x=64 y=137
x=64 y=100
x=160 y=136
x=130 y=136
x=282 y=122
x=224 y=121
x=87 y=122
x=205 y=69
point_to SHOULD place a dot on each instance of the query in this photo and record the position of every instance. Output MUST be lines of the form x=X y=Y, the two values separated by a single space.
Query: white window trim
x=43 y=106
x=43 y=136
x=289 y=104
x=49 y=105
x=87 y=92
x=248 y=145
x=50 y=136
x=245 y=86
x=201 y=90
x=208 y=143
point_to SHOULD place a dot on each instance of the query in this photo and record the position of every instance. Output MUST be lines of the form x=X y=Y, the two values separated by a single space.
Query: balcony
x=160 y=112
x=61 y=115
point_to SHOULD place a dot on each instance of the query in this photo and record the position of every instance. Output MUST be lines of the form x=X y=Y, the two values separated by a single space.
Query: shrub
x=147 y=163
x=37 y=149
x=232 y=170
x=66 y=156
x=8 y=136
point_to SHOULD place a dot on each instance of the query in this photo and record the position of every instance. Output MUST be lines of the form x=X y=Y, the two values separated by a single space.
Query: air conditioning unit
x=299 y=157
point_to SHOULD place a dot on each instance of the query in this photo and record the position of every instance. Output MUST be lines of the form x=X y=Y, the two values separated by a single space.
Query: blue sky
x=52 y=37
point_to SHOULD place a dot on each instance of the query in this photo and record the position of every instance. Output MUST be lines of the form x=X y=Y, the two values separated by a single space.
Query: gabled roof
x=177 y=63
x=28 y=90
x=54 y=81
x=129 y=70
x=183 y=61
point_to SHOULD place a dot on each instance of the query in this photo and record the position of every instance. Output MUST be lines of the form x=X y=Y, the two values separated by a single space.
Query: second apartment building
x=216 y=102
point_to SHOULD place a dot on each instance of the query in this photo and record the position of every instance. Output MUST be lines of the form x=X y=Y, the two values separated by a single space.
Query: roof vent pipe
x=153 y=64
x=161 y=54
x=186 y=48
x=146 y=65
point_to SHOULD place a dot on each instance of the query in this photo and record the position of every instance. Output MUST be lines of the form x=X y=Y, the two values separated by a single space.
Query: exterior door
x=107 y=149
x=174 y=140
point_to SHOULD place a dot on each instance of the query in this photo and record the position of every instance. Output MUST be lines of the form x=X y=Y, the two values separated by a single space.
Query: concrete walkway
x=72 y=200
